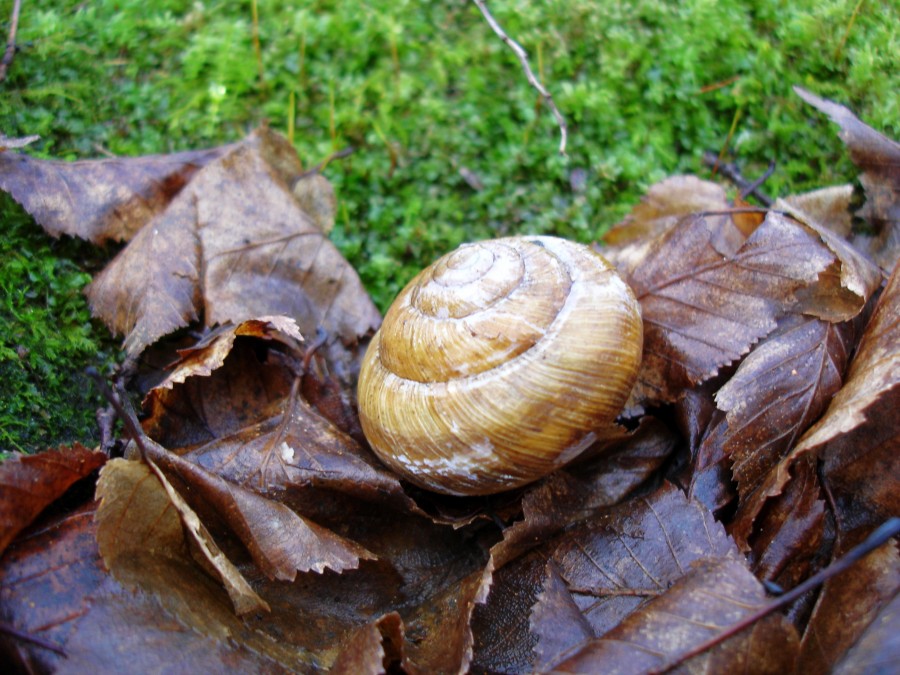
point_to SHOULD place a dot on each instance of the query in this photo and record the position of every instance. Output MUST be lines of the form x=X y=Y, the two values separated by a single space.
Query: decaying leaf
x=705 y=303
x=874 y=373
x=629 y=242
x=141 y=516
x=55 y=586
x=103 y=199
x=30 y=483
x=789 y=540
x=613 y=563
x=208 y=354
x=878 y=646
x=709 y=598
x=233 y=245
x=245 y=421
x=879 y=159
x=848 y=606
x=778 y=391
x=281 y=541
x=316 y=196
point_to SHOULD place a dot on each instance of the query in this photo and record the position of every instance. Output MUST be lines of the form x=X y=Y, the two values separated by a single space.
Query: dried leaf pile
x=250 y=528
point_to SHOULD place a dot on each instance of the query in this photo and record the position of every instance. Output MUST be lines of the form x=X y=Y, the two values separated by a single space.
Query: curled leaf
x=30 y=483
x=141 y=515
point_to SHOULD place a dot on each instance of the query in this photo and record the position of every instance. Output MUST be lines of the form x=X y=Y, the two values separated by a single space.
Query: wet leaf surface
x=704 y=304
x=30 y=483
x=712 y=595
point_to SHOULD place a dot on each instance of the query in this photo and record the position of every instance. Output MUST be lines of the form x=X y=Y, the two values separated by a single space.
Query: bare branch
x=532 y=80
x=10 y=52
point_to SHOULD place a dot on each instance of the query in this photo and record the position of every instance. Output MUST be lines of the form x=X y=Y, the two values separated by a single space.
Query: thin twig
x=10 y=52
x=879 y=537
x=617 y=592
x=14 y=632
x=751 y=189
x=532 y=80
x=320 y=167
x=124 y=411
x=732 y=173
x=840 y=47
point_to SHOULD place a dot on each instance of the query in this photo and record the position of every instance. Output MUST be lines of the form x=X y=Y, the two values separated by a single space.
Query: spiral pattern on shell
x=499 y=363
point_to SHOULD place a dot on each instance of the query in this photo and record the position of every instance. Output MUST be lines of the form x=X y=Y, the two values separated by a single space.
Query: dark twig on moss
x=733 y=173
x=532 y=79
x=10 y=52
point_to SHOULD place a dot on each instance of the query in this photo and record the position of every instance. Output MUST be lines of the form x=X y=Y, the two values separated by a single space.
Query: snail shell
x=499 y=363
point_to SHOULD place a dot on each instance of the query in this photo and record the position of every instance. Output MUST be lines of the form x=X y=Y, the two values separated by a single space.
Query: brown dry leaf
x=439 y=632
x=778 y=391
x=613 y=563
x=281 y=541
x=789 y=539
x=245 y=422
x=557 y=621
x=210 y=352
x=140 y=513
x=878 y=647
x=30 y=483
x=874 y=373
x=158 y=614
x=665 y=203
x=504 y=642
x=101 y=199
x=710 y=597
x=236 y=395
x=316 y=196
x=879 y=159
x=828 y=207
x=846 y=286
x=371 y=649
x=579 y=490
x=704 y=305
x=296 y=454
x=233 y=245
x=848 y=605
x=708 y=474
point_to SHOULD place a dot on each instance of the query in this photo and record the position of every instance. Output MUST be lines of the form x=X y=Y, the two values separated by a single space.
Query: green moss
x=425 y=92
x=47 y=338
